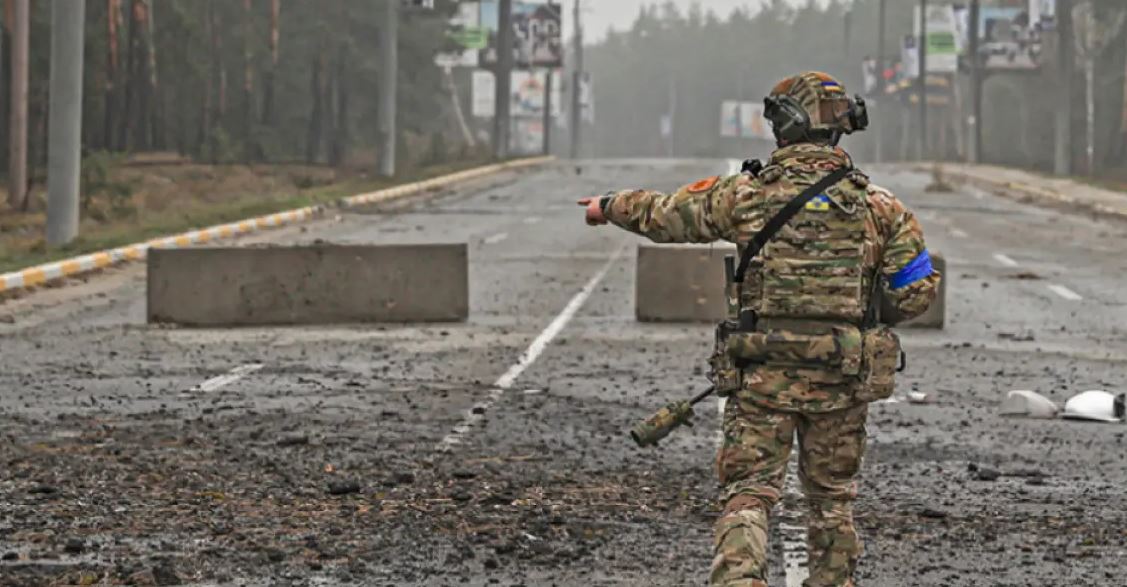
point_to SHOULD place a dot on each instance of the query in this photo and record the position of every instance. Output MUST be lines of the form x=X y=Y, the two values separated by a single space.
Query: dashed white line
x=216 y=383
x=734 y=166
x=1005 y=260
x=1065 y=293
x=503 y=383
x=958 y=232
x=532 y=220
x=494 y=239
x=792 y=531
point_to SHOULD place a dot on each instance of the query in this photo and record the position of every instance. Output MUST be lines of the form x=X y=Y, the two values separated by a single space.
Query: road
x=494 y=452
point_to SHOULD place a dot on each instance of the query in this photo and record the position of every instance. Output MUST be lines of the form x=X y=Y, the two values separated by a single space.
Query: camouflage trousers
x=752 y=465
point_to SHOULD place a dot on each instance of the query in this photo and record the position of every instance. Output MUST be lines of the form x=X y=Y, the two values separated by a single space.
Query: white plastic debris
x=1028 y=404
x=916 y=397
x=1096 y=405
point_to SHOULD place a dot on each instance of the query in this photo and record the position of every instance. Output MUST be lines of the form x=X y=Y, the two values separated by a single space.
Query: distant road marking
x=1003 y=259
x=216 y=383
x=958 y=232
x=492 y=240
x=734 y=166
x=477 y=412
x=1066 y=293
x=532 y=220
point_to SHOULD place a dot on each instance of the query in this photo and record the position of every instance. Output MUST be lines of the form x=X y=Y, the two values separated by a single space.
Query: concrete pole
x=17 y=129
x=547 y=148
x=921 y=82
x=389 y=80
x=502 y=112
x=1063 y=124
x=974 y=150
x=882 y=13
x=64 y=143
x=577 y=86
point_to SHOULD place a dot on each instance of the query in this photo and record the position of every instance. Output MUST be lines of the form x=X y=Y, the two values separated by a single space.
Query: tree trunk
x=248 y=84
x=340 y=134
x=17 y=149
x=156 y=109
x=268 y=80
x=207 y=119
x=313 y=138
x=113 y=74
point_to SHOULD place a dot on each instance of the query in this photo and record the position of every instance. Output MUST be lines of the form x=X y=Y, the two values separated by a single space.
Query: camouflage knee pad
x=741 y=549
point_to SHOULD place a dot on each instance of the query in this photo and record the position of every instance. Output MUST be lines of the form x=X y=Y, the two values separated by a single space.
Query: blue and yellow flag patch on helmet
x=832 y=86
x=819 y=203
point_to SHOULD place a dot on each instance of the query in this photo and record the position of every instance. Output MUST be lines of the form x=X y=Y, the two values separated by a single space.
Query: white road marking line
x=1003 y=259
x=492 y=240
x=503 y=383
x=221 y=381
x=721 y=405
x=792 y=530
x=959 y=233
x=1066 y=293
x=734 y=166
x=532 y=220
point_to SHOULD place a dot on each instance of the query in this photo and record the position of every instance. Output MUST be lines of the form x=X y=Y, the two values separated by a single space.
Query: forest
x=689 y=61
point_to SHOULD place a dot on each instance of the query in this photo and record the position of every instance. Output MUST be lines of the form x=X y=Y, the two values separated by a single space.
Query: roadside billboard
x=537 y=34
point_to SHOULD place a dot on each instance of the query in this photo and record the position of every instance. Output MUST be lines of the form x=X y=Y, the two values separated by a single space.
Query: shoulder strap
x=776 y=223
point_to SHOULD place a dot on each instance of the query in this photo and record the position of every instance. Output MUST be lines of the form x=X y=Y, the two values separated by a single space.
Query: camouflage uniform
x=813 y=375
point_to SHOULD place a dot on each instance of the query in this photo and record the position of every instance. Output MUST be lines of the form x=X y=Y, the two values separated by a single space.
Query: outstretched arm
x=697 y=213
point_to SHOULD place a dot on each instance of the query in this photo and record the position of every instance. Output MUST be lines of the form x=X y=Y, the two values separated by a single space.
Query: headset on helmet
x=838 y=114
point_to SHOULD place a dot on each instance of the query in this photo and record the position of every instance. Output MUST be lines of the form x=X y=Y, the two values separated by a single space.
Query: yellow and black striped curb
x=42 y=274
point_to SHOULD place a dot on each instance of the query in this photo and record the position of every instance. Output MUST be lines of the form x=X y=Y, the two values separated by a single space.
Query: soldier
x=818 y=350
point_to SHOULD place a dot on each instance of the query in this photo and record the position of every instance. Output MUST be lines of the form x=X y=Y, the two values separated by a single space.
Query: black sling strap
x=775 y=224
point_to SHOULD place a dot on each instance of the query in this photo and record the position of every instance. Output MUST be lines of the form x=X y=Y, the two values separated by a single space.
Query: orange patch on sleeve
x=704 y=185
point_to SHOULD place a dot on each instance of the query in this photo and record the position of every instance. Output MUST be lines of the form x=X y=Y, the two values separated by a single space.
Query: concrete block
x=685 y=283
x=681 y=283
x=936 y=315
x=320 y=284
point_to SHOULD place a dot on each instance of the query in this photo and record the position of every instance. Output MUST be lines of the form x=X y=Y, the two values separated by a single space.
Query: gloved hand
x=594 y=205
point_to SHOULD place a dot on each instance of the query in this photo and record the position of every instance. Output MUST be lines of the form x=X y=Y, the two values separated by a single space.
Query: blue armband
x=919 y=269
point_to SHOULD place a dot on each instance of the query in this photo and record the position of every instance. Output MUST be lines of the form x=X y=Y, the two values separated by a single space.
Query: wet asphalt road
x=323 y=456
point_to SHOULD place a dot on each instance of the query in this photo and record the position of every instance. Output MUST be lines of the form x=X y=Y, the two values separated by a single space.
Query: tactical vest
x=814 y=268
x=809 y=348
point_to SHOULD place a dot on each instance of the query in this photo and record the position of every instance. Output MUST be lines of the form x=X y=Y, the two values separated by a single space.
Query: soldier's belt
x=840 y=348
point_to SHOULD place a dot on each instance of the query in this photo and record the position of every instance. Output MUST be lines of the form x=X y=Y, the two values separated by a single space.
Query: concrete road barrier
x=685 y=283
x=680 y=283
x=320 y=284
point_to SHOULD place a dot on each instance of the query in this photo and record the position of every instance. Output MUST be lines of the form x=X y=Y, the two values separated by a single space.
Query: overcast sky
x=599 y=15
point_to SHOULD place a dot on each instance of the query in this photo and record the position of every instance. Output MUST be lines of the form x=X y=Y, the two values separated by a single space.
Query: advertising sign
x=466 y=30
x=744 y=119
x=537 y=31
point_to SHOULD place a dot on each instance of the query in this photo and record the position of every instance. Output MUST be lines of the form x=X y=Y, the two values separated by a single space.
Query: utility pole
x=921 y=81
x=577 y=86
x=17 y=129
x=1063 y=135
x=547 y=148
x=65 y=120
x=974 y=151
x=389 y=78
x=502 y=113
x=882 y=13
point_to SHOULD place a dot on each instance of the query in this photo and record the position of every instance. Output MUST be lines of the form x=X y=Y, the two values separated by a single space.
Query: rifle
x=667 y=419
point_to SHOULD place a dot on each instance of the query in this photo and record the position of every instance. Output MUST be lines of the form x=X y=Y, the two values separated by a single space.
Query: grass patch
x=18 y=250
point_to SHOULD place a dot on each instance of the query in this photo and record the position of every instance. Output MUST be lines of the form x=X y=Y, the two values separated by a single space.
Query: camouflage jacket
x=729 y=209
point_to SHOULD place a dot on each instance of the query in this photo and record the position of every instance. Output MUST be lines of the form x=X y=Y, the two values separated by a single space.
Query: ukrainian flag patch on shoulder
x=820 y=203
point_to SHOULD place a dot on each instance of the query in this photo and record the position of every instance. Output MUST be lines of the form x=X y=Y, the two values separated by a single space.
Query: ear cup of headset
x=858 y=114
x=788 y=118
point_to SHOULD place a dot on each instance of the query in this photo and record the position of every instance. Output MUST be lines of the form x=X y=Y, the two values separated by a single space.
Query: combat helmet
x=812 y=107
